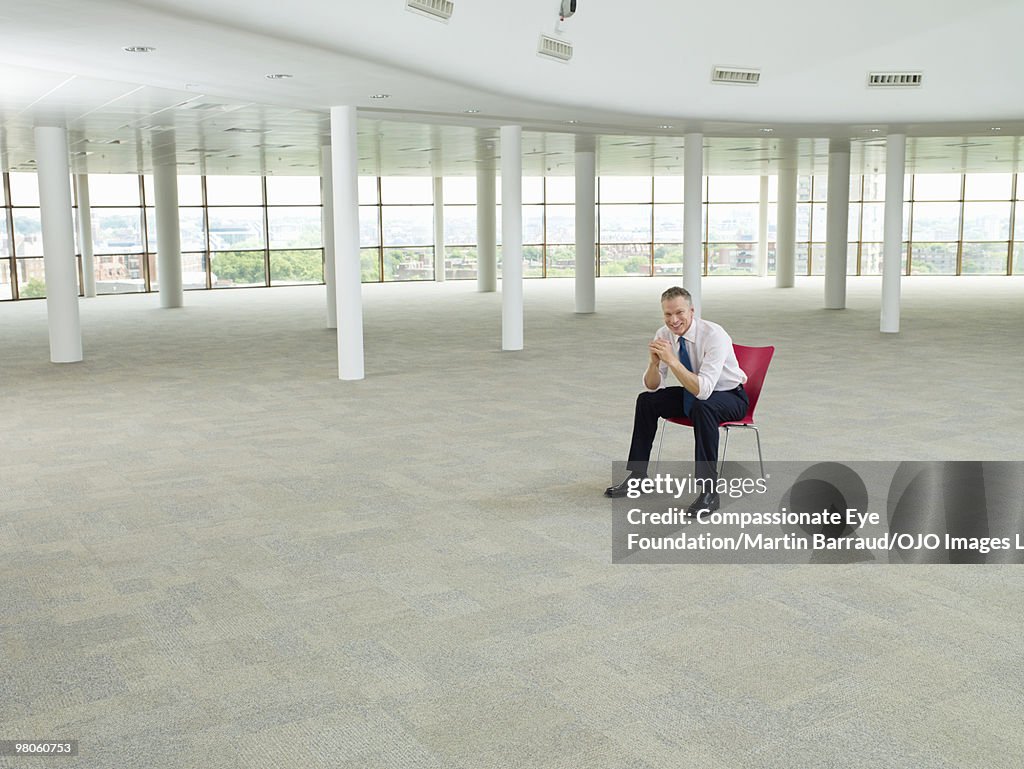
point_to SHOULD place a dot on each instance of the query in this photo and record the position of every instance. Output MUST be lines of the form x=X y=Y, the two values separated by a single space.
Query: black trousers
x=721 y=406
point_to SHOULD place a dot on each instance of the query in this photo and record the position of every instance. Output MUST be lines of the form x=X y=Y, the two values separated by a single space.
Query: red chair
x=754 y=362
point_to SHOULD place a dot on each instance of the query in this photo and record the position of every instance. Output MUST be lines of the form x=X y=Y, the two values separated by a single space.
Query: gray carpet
x=215 y=554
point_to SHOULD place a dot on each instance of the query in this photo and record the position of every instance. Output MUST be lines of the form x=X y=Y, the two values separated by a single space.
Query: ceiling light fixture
x=875 y=130
x=665 y=126
x=138 y=49
x=380 y=96
x=767 y=130
x=995 y=128
x=278 y=76
x=471 y=111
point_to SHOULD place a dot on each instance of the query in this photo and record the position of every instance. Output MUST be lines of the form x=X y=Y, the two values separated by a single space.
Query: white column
x=85 y=235
x=327 y=201
x=439 y=229
x=168 y=229
x=586 y=172
x=693 y=190
x=54 y=177
x=892 y=246
x=349 y=289
x=785 y=228
x=762 y=229
x=486 y=225
x=511 y=237
x=838 y=223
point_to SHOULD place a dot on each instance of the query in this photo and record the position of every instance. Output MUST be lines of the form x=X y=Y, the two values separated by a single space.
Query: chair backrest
x=754 y=362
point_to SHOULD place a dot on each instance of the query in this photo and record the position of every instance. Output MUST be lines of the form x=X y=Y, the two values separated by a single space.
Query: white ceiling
x=636 y=68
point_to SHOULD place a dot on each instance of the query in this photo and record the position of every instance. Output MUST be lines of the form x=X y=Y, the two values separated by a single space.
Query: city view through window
x=244 y=231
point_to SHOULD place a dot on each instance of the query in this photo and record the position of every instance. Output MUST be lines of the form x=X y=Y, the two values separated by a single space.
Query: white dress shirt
x=710 y=350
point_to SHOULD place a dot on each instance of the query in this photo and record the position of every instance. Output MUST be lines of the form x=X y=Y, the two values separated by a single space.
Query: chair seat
x=687 y=422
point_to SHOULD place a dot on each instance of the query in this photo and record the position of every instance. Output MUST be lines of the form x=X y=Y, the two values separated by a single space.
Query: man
x=699 y=354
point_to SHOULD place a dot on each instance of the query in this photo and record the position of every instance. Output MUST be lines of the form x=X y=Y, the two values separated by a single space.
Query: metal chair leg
x=760 y=459
x=657 y=463
x=725 y=447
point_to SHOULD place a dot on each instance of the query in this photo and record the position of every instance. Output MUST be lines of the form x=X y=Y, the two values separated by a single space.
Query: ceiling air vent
x=435 y=9
x=894 y=79
x=735 y=76
x=554 y=48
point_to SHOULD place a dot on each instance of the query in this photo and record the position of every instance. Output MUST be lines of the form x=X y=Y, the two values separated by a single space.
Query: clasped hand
x=662 y=349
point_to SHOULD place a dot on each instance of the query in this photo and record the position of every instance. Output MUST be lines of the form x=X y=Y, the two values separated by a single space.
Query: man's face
x=678 y=314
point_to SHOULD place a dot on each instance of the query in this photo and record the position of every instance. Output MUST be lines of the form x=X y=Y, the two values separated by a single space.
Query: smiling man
x=700 y=356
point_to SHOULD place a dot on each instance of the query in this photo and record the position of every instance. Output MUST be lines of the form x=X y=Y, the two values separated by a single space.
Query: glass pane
x=154 y=274
x=874 y=222
x=773 y=188
x=117 y=230
x=148 y=193
x=1018 y=258
x=236 y=228
x=734 y=189
x=561 y=261
x=369 y=226
x=407 y=226
x=234 y=190
x=369 y=259
x=632 y=260
x=668 y=259
x=561 y=225
x=367 y=191
x=190 y=191
x=984 y=258
x=732 y=259
x=193 y=236
x=819 y=221
x=237 y=268
x=533 y=224
x=803 y=189
x=31 y=278
x=533 y=261
x=5 y=241
x=801 y=258
x=119 y=273
x=851 y=258
x=933 y=259
x=855 y=187
x=28 y=235
x=460 y=225
x=193 y=271
x=871 y=259
x=294 y=227
x=407 y=189
x=936 y=221
x=818 y=258
x=625 y=224
x=874 y=186
x=291 y=267
x=6 y=281
x=560 y=189
x=460 y=263
x=3 y=197
x=668 y=189
x=624 y=189
x=731 y=222
x=24 y=189
x=803 y=223
x=114 y=190
x=293 y=191
x=819 y=188
x=533 y=189
x=668 y=223
x=987 y=186
x=408 y=263
x=853 y=223
x=986 y=221
x=937 y=186
x=460 y=189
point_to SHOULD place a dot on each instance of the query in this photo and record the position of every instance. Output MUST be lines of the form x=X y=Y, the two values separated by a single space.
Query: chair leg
x=725 y=447
x=657 y=463
x=760 y=459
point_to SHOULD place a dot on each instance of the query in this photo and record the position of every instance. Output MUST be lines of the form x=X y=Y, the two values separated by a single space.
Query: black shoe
x=707 y=502
x=621 y=489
